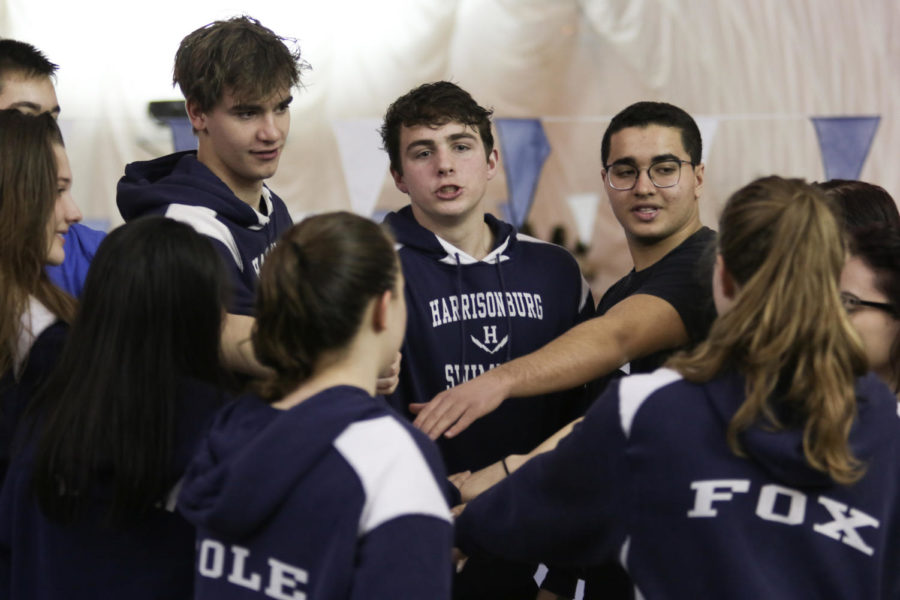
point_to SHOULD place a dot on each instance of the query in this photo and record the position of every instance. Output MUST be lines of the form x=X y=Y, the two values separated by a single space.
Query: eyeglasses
x=663 y=174
x=852 y=304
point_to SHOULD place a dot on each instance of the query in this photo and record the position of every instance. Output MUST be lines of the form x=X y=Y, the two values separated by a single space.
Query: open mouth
x=645 y=213
x=449 y=192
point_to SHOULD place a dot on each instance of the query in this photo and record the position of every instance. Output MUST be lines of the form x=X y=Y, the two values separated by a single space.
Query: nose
x=643 y=186
x=71 y=212
x=270 y=130
x=445 y=162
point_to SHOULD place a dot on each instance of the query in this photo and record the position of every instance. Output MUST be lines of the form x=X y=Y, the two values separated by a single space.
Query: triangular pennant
x=183 y=137
x=363 y=160
x=584 y=209
x=525 y=148
x=844 y=143
x=708 y=127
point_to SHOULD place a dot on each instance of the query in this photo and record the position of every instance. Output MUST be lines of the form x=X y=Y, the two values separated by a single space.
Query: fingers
x=460 y=425
x=459 y=479
x=387 y=385
x=457 y=510
x=389 y=379
x=439 y=414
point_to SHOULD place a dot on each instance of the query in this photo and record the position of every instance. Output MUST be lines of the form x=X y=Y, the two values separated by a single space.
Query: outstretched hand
x=390 y=378
x=452 y=411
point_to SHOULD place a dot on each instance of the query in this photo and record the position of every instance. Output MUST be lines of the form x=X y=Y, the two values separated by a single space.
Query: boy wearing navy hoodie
x=26 y=84
x=236 y=77
x=478 y=292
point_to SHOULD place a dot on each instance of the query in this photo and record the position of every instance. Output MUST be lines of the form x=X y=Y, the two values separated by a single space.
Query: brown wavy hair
x=434 y=104
x=313 y=291
x=787 y=331
x=240 y=55
x=28 y=192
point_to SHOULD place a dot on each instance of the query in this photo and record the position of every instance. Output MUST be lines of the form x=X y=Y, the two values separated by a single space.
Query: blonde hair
x=787 y=332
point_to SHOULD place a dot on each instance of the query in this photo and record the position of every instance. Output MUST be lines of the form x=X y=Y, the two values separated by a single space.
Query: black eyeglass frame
x=653 y=164
x=851 y=302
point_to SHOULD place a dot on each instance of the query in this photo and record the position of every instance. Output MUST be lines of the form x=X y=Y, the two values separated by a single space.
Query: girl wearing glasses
x=761 y=464
x=870 y=288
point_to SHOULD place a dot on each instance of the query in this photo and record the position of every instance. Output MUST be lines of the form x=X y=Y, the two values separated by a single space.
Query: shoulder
x=635 y=390
x=693 y=248
x=547 y=260
x=544 y=249
x=397 y=477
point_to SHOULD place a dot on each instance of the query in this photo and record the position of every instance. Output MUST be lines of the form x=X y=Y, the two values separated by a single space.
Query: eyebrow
x=454 y=137
x=246 y=107
x=34 y=107
x=629 y=160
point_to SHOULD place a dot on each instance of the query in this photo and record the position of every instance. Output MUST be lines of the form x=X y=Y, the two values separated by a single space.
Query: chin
x=55 y=257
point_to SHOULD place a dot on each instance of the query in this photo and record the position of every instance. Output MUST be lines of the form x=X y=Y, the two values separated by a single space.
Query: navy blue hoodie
x=467 y=316
x=148 y=559
x=648 y=478
x=38 y=352
x=334 y=498
x=180 y=187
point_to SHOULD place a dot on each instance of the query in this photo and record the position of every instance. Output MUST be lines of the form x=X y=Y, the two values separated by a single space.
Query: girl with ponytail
x=761 y=464
x=316 y=488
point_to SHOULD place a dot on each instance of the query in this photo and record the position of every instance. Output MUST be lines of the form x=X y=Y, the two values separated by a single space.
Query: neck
x=646 y=254
x=357 y=367
x=247 y=192
x=471 y=235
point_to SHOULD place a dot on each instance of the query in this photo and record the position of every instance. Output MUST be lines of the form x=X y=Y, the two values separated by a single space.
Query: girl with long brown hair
x=36 y=208
x=762 y=464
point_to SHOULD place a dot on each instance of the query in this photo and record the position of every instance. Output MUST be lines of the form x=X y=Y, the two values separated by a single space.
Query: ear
x=196 y=115
x=725 y=288
x=380 y=315
x=699 y=174
x=398 y=181
x=493 y=162
x=729 y=287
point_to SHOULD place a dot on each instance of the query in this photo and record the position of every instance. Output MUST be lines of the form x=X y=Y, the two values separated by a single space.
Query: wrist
x=514 y=461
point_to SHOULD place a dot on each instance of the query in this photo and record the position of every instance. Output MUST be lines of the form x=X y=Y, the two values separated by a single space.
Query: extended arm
x=474 y=484
x=635 y=327
x=564 y=506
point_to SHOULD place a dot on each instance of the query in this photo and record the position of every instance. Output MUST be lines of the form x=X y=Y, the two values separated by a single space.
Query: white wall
x=759 y=67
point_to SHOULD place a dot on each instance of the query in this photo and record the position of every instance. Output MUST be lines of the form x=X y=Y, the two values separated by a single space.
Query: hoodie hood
x=780 y=452
x=256 y=455
x=149 y=187
x=409 y=233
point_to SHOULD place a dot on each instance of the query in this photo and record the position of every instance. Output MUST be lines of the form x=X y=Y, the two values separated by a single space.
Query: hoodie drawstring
x=462 y=325
x=508 y=317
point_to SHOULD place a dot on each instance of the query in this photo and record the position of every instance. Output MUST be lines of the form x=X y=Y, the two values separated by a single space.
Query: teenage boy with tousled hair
x=478 y=293
x=236 y=77
x=26 y=84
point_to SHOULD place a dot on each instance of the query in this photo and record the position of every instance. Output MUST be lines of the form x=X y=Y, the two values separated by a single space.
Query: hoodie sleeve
x=566 y=507
x=408 y=557
x=405 y=530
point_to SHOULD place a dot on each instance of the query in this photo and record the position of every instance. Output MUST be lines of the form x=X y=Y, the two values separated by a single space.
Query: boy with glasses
x=654 y=177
